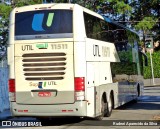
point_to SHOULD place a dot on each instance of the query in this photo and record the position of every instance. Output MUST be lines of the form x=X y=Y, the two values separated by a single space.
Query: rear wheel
x=138 y=90
x=109 y=106
x=137 y=94
x=103 y=110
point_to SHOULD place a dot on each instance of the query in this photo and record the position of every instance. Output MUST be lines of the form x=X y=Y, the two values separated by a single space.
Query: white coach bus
x=65 y=60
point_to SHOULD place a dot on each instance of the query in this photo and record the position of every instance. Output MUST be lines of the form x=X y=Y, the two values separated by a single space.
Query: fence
x=4 y=98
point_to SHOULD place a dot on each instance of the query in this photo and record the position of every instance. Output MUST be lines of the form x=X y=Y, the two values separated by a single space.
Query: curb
x=157 y=117
x=151 y=85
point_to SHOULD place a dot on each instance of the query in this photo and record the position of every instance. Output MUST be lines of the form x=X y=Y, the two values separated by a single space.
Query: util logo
x=38 y=19
x=41 y=85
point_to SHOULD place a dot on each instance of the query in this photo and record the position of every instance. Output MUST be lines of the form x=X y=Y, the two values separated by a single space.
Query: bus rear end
x=41 y=60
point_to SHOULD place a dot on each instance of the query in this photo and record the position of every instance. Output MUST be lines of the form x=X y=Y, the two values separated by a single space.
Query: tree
x=140 y=14
x=4 y=18
x=19 y=3
x=4 y=14
x=145 y=17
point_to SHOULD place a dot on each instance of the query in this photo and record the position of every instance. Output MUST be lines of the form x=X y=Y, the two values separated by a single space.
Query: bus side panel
x=79 y=59
x=100 y=51
x=78 y=29
x=107 y=88
x=93 y=106
x=79 y=43
x=98 y=57
x=10 y=56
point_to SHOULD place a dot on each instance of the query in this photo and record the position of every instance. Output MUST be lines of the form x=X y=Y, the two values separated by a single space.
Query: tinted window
x=92 y=26
x=43 y=24
x=97 y=28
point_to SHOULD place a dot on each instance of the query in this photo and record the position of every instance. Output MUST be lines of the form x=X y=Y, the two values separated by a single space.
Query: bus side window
x=111 y=32
x=98 y=29
x=88 y=25
x=104 y=31
x=124 y=51
x=92 y=26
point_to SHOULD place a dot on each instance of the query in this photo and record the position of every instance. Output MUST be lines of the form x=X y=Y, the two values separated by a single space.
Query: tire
x=109 y=106
x=138 y=90
x=103 y=110
x=137 y=95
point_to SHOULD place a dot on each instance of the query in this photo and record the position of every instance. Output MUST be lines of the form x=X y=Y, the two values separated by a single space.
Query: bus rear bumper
x=76 y=109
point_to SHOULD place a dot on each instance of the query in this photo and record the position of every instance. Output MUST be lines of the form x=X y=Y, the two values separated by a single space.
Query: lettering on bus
x=59 y=46
x=42 y=84
x=96 y=50
x=105 y=51
x=27 y=47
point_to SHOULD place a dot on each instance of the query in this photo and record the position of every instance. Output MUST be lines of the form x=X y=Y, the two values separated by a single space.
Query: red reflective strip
x=70 y=110
x=64 y=110
x=25 y=110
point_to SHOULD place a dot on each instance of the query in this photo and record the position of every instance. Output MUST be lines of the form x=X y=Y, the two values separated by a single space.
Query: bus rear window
x=43 y=24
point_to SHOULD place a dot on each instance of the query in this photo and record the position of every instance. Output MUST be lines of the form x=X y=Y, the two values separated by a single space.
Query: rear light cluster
x=12 y=93
x=79 y=83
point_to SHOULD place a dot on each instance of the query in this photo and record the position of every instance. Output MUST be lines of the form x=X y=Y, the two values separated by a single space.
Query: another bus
x=65 y=60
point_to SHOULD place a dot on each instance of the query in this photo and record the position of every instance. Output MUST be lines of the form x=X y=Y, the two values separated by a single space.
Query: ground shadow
x=148 y=104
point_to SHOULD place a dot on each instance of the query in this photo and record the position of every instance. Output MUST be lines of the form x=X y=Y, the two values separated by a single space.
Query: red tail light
x=11 y=83
x=12 y=90
x=79 y=83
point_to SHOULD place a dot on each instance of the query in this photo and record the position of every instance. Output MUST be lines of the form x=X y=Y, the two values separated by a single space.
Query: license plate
x=44 y=94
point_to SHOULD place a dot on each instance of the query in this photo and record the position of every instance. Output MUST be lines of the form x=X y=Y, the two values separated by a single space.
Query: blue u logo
x=40 y=85
x=38 y=21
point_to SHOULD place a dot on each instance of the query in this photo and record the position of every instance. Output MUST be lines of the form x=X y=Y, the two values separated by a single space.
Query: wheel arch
x=104 y=96
x=112 y=96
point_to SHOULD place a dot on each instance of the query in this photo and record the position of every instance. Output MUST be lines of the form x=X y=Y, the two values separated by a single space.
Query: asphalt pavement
x=147 y=108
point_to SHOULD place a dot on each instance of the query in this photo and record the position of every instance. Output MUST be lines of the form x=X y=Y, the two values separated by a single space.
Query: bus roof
x=71 y=7
x=44 y=6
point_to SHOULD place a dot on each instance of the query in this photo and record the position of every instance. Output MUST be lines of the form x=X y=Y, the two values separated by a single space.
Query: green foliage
x=132 y=37
x=4 y=14
x=19 y=3
x=156 y=66
x=120 y=68
x=126 y=66
x=121 y=7
x=125 y=56
x=5 y=11
x=146 y=24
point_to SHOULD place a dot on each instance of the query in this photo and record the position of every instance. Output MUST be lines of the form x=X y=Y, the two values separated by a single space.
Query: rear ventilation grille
x=44 y=66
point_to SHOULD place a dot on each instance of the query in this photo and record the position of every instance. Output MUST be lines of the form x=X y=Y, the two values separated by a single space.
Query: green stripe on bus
x=50 y=19
x=44 y=84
